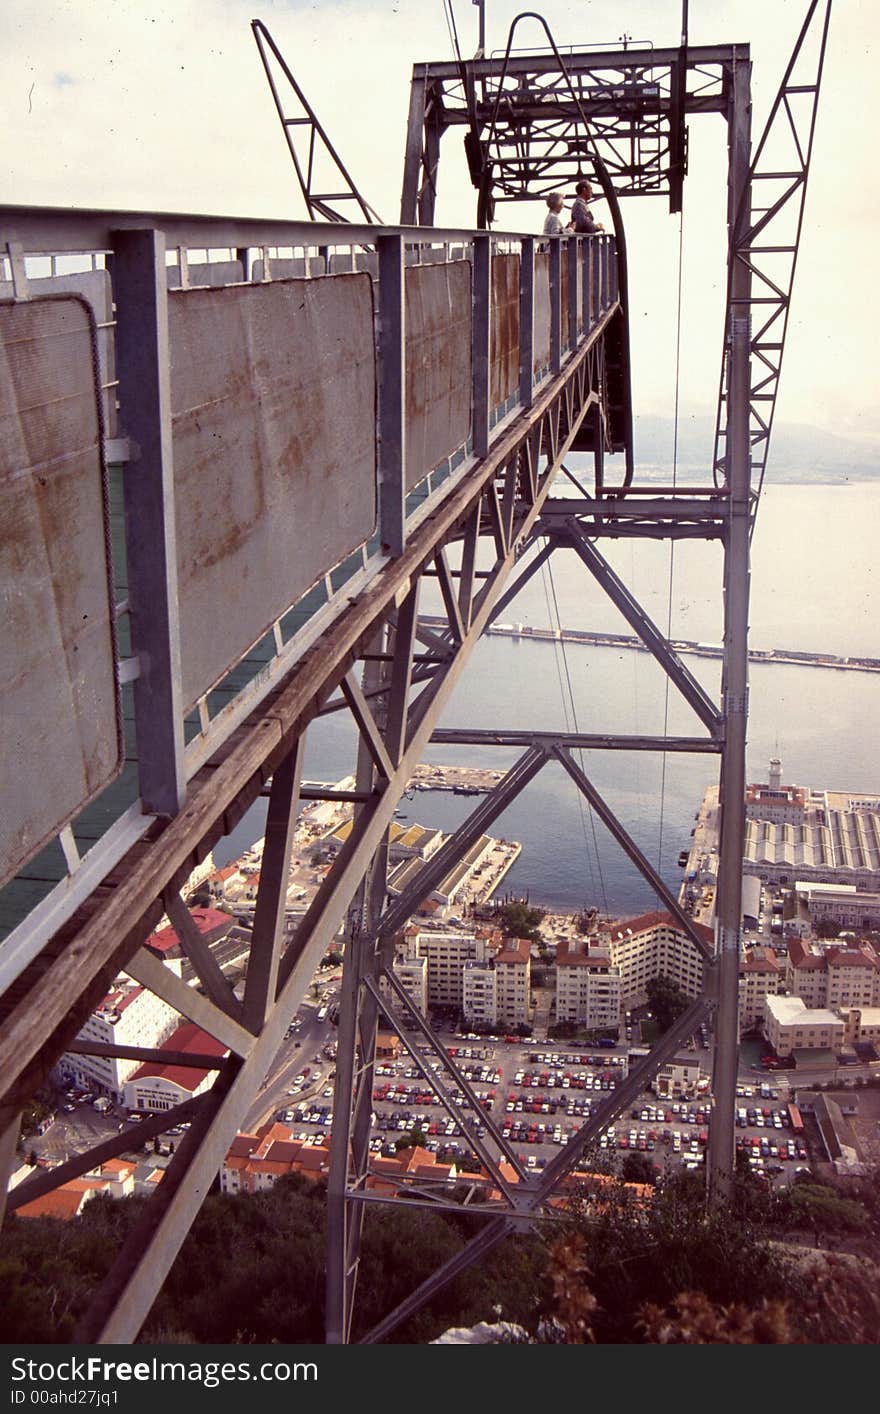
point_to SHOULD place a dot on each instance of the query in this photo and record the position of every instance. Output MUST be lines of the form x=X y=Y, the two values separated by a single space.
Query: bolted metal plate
x=438 y=364
x=59 y=704
x=273 y=392
x=504 y=345
x=542 y=311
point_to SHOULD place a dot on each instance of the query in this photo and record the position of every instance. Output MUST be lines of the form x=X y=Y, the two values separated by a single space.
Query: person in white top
x=553 y=225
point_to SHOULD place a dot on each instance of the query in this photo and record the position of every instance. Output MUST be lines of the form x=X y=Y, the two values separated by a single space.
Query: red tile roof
x=801 y=957
x=850 y=957
x=760 y=960
x=646 y=921
x=575 y=953
x=188 y=1037
x=211 y=923
x=515 y=950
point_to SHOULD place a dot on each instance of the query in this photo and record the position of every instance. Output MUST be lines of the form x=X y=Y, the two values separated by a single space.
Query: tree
x=411 y=1140
x=666 y=1000
x=518 y=920
x=638 y=1168
x=827 y=928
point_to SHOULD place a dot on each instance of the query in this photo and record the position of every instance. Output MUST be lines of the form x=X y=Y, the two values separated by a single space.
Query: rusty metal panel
x=504 y=343
x=438 y=364
x=94 y=286
x=273 y=393
x=62 y=730
x=542 y=310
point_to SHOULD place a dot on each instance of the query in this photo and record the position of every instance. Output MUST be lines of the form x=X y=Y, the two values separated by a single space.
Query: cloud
x=173 y=112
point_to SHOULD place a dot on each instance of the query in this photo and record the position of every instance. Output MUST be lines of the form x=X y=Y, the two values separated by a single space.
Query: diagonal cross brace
x=628 y=844
x=647 y=630
x=507 y=789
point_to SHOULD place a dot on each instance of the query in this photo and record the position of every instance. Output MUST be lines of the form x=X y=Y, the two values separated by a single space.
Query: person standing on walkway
x=553 y=224
x=581 y=216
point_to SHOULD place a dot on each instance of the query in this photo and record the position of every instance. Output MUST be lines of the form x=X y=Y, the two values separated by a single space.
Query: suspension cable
x=672 y=542
x=557 y=624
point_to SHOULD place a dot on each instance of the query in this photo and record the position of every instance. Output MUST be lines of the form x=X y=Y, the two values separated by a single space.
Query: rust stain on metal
x=273 y=403
x=439 y=382
x=58 y=694
x=504 y=344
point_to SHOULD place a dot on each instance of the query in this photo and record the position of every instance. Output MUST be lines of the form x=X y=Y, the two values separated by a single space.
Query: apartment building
x=760 y=975
x=495 y=989
x=588 y=986
x=652 y=945
x=832 y=974
x=129 y=1015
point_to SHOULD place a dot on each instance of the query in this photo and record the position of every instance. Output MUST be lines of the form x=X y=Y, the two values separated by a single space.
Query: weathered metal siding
x=542 y=311
x=273 y=400
x=504 y=345
x=214 y=272
x=438 y=364
x=58 y=697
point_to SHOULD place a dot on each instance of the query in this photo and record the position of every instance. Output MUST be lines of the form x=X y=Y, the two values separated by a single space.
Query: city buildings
x=588 y=986
x=652 y=945
x=155 y=1087
x=832 y=973
x=480 y=974
x=129 y=1015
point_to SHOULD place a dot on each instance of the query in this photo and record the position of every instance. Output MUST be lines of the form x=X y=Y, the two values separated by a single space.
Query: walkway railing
x=218 y=432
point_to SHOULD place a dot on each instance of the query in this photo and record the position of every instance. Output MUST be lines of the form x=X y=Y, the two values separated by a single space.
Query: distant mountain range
x=798 y=452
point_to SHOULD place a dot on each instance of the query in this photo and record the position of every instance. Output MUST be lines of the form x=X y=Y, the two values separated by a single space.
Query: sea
x=814 y=587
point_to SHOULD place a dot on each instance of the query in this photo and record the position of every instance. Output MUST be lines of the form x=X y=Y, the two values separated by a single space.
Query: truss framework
x=315 y=159
x=396 y=705
x=765 y=236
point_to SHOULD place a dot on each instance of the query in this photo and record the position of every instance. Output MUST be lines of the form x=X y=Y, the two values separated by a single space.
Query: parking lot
x=538 y=1098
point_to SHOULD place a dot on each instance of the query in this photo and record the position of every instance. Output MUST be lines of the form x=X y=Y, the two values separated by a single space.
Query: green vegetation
x=613 y=1269
x=827 y=928
x=667 y=1001
x=518 y=920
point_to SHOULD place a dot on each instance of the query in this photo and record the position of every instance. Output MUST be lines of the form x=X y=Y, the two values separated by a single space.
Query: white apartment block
x=129 y=1015
x=495 y=989
x=479 y=993
x=760 y=975
x=832 y=974
x=412 y=974
x=588 y=989
x=652 y=945
x=792 y=1026
x=513 y=966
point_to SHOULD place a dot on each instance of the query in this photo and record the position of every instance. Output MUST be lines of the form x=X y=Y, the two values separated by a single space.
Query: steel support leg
x=735 y=675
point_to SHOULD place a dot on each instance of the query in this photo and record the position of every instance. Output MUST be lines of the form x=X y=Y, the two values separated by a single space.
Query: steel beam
x=146 y=968
x=734 y=685
x=354 y=1072
x=143 y=364
x=631 y=849
x=204 y=963
x=267 y=934
x=424 y=1027
x=496 y=1230
x=584 y=741
x=481 y=1149
x=650 y=635
x=492 y=805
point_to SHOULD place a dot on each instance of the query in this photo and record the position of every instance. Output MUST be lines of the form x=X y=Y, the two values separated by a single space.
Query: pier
x=790 y=656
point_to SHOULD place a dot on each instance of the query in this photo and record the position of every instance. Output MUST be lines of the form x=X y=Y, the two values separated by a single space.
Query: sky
x=137 y=104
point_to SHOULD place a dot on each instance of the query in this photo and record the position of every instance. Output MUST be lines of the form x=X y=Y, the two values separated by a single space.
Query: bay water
x=813 y=588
